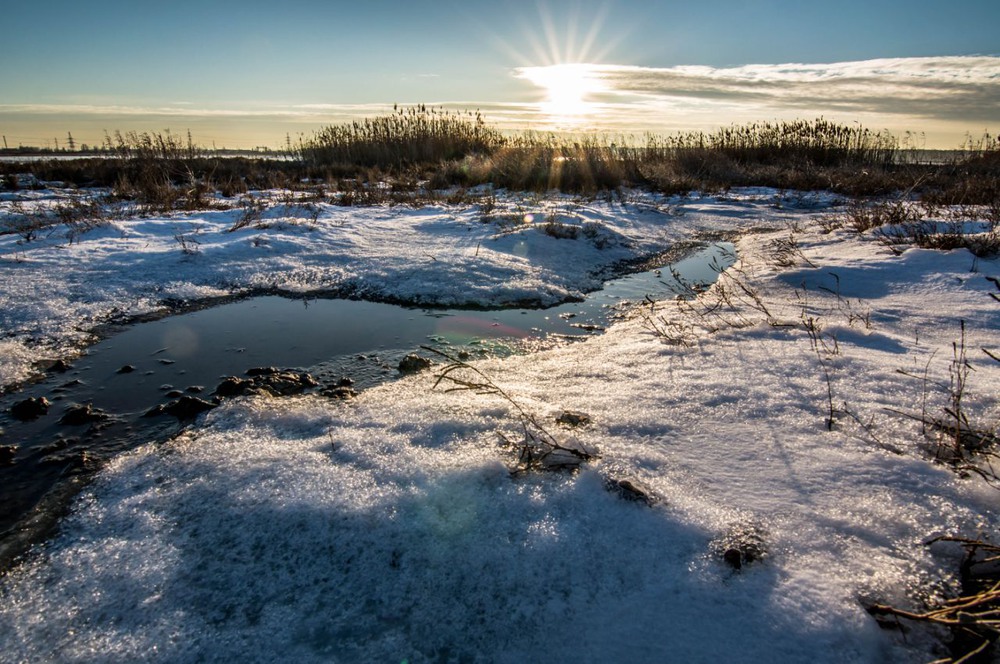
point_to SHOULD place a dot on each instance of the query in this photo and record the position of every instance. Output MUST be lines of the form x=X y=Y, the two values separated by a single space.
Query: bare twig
x=995 y=282
x=539 y=449
x=813 y=330
x=869 y=429
x=959 y=373
x=671 y=332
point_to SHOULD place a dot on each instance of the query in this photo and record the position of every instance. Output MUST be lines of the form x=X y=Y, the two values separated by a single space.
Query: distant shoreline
x=923 y=156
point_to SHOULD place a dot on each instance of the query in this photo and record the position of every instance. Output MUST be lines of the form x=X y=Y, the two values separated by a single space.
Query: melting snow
x=390 y=527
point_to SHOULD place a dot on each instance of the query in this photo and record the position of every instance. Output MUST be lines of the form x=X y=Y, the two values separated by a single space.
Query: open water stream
x=337 y=342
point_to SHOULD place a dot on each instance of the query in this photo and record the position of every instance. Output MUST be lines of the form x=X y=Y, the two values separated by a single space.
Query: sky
x=256 y=73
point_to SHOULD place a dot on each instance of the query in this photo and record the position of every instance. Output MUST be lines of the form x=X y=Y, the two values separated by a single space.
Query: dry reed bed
x=415 y=152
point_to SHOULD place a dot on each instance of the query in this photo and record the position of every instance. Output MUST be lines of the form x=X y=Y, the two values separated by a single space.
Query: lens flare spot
x=462 y=330
x=181 y=341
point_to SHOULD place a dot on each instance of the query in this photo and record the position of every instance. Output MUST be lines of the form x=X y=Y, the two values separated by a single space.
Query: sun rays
x=569 y=90
x=555 y=56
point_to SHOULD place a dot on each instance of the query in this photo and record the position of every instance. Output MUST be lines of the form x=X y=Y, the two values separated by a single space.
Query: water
x=71 y=156
x=331 y=339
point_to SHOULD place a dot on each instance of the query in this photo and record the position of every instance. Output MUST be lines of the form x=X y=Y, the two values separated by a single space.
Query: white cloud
x=113 y=110
x=965 y=88
x=942 y=97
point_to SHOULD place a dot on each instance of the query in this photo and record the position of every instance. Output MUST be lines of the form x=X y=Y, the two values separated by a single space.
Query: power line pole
x=72 y=143
x=5 y=142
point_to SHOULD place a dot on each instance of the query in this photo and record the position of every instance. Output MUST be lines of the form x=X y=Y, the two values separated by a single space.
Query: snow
x=390 y=528
x=62 y=284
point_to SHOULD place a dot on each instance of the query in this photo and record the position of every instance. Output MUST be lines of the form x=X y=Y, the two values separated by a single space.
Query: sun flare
x=569 y=90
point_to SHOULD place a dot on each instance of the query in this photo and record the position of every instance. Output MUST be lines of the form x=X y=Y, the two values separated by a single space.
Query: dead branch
x=539 y=449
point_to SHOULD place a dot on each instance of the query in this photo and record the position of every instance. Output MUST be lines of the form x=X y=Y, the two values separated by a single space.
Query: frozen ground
x=390 y=528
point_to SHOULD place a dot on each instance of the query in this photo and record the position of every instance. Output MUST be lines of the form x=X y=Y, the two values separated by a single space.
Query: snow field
x=389 y=527
x=61 y=285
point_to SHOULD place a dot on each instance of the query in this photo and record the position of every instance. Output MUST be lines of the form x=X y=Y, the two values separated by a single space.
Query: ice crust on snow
x=389 y=527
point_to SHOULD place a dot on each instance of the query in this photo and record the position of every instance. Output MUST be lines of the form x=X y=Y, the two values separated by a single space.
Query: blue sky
x=248 y=73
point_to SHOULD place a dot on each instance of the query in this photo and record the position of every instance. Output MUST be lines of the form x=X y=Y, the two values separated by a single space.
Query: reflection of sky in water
x=181 y=341
x=356 y=338
x=463 y=329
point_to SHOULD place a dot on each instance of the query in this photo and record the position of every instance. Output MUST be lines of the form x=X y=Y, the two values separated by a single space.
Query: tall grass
x=461 y=149
x=795 y=143
x=424 y=148
x=407 y=137
x=971 y=178
x=152 y=167
x=542 y=162
x=164 y=171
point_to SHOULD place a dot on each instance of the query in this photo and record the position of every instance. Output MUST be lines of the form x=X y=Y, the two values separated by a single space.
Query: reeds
x=440 y=149
x=461 y=149
x=407 y=137
x=796 y=143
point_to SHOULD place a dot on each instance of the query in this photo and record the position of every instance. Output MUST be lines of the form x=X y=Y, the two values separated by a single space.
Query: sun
x=569 y=90
x=554 y=51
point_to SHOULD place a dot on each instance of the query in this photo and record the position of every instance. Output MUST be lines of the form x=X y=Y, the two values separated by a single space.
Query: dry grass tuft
x=973 y=618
